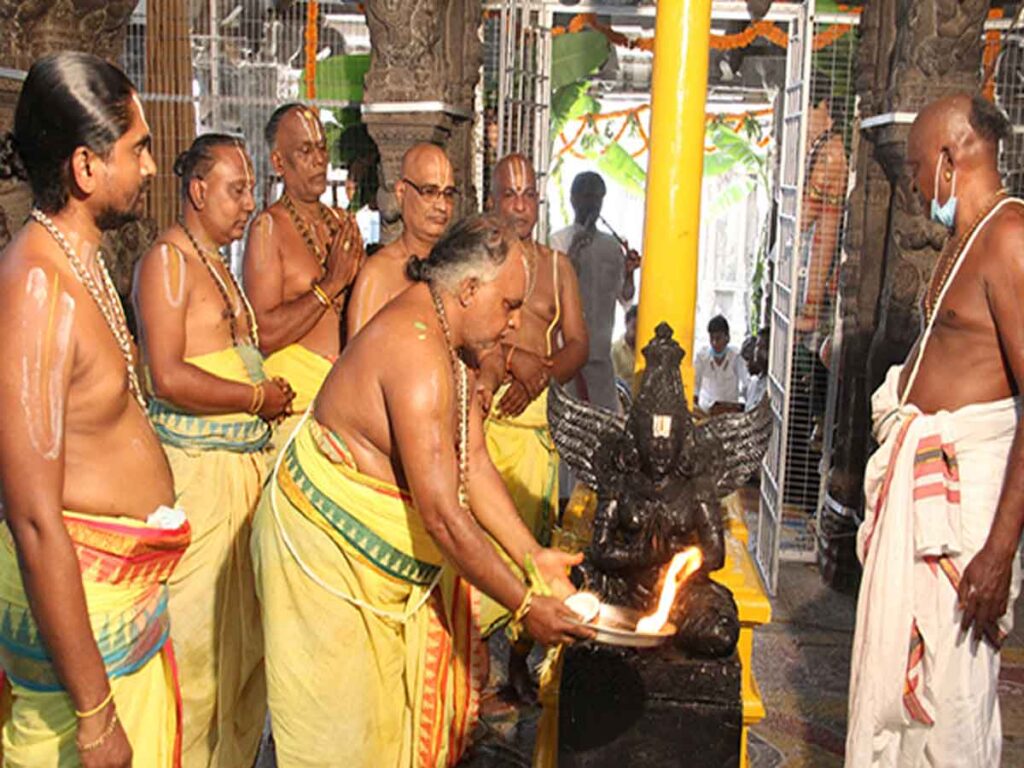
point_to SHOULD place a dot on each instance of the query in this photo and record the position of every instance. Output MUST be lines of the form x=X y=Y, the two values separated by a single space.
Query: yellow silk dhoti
x=219 y=464
x=305 y=371
x=524 y=454
x=124 y=564
x=372 y=654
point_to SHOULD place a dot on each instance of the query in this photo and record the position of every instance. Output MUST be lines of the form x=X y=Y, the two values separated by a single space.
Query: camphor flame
x=684 y=564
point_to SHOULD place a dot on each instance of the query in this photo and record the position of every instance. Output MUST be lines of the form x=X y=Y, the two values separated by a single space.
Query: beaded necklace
x=459 y=369
x=231 y=309
x=106 y=299
x=304 y=231
x=936 y=287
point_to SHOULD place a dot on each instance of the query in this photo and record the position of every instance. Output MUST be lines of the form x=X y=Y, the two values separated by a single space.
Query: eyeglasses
x=433 y=193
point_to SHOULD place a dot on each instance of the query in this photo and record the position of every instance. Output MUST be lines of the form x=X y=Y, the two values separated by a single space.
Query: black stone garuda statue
x=659 y=478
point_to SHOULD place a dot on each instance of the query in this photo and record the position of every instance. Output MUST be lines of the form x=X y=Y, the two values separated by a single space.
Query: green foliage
x=569 y=102
x=832 y=6
x=619 y=167
x=345 y=118
x=735 y=151
x=339 y=78
x=576 y=56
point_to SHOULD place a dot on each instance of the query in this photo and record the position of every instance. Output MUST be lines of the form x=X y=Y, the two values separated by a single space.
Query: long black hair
x=476 y=246
x=198 y=159
x=68 y=100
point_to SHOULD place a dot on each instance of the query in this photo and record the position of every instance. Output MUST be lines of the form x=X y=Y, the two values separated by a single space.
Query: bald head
x=425 y=157
x=963 y=124
x=514 y=193
x=954 y=138
x=426 y=192
x=513 y=169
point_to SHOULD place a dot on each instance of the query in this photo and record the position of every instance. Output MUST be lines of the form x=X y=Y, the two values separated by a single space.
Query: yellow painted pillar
x=668 y=273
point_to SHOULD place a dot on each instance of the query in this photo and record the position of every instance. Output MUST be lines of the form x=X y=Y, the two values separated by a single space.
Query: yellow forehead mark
x=314 y=131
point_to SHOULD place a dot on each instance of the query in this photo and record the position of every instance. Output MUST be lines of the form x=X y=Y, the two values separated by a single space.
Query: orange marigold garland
x=312 y=39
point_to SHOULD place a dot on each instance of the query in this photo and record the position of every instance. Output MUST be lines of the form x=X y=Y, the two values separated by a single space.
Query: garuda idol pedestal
x=659 y=478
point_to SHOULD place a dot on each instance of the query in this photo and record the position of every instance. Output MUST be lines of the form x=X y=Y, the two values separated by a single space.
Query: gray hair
x=475 y=247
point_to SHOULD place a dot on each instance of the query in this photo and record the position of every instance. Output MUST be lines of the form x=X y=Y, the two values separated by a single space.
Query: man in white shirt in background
x=720 y=374
x=604 y=268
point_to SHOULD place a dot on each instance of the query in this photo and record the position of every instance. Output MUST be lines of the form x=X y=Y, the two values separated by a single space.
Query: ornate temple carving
x=423 y=51
x=910 y=53
x=37 y=27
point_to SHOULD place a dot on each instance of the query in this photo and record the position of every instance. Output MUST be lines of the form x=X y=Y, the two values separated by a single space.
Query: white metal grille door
x=784 y=286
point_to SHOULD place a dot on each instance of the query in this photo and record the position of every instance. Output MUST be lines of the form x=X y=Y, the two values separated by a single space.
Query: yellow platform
x=738 y=574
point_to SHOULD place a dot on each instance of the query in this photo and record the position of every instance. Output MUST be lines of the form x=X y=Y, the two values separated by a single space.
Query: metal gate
x=1002 y=81
x=795 y=97
x=524 y=90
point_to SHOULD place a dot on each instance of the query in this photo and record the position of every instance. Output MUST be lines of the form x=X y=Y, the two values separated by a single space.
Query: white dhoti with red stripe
x=923 y=693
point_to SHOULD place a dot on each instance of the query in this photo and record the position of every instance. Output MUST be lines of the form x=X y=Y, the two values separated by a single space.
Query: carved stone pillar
x=168 y=73
x=31 y=29
x=911 y=52
x=424 y=65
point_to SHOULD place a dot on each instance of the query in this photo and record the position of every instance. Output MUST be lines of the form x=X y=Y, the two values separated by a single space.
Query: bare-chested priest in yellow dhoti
x=372 y=528
x=212 y=406
x=300 y=260
x=89 y=540
x=426 y=195
x=550 y=343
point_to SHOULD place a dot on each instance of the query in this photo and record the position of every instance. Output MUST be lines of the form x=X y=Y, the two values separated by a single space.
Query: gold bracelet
x=321 y=295
x=98 y=708
x=258 y=397
x=101 y=739
x=524 y=607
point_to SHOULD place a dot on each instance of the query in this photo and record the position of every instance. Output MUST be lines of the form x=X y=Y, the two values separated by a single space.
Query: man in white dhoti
x=945 y=491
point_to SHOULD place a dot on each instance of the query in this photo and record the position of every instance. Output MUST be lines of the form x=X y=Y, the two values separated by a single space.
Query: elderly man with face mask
x=300 y=261
x=944 y=493
x=212 y=406
x=427 y=195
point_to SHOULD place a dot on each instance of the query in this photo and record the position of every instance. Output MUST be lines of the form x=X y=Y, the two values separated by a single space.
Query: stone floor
x=801 y=663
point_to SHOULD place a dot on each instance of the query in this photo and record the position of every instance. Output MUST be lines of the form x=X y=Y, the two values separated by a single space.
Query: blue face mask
x=718 y=355
x=944 y=214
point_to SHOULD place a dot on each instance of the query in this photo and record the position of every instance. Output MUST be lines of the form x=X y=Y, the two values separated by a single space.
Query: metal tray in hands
x=616 y=625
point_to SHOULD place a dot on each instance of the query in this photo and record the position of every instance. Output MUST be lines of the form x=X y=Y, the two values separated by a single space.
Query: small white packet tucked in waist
x=166 y=518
